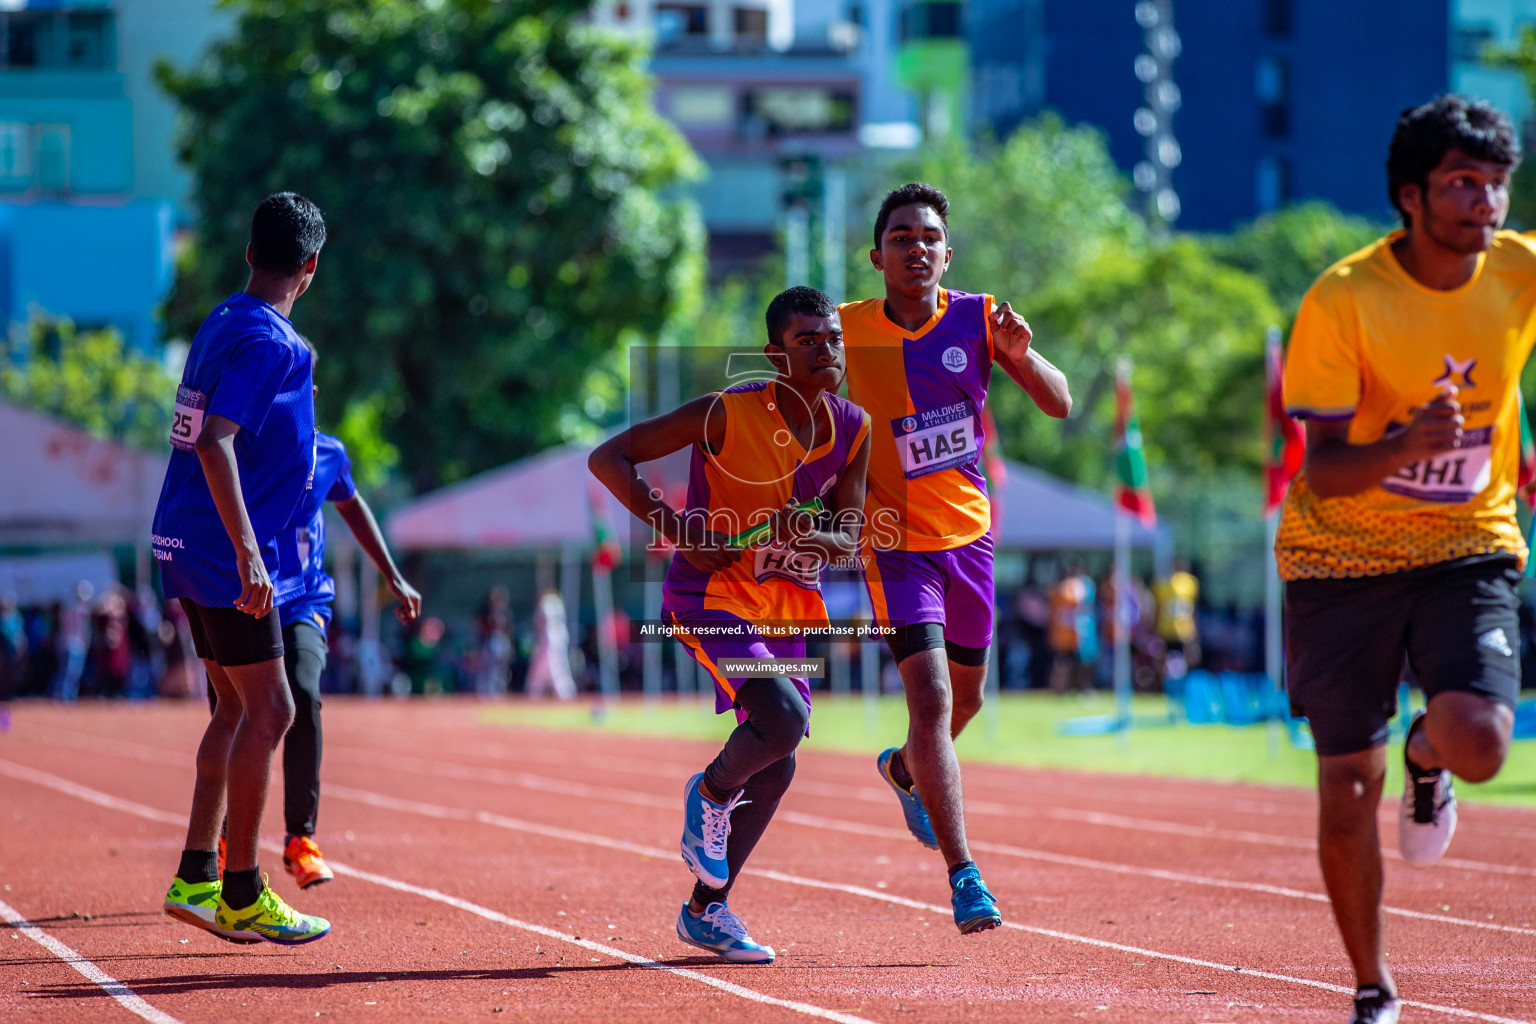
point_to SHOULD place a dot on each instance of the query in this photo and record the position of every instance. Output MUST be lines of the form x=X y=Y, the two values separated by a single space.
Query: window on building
x=930 y=19
x=1271 y=184
x=676 y=22
x=53 y=157
x=794 y=110
x=1472 y=43
x=1277 y=17
x=1273 y=86
x=57 y=39
x=15 y=153
x=751 y=24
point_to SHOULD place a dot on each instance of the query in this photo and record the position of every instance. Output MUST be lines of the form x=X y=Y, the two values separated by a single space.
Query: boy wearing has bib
x=761 y=452
x=920 y=360
x=1398 y=541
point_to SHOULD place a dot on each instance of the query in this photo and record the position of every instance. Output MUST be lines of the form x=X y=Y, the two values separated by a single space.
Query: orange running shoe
x=302 y=860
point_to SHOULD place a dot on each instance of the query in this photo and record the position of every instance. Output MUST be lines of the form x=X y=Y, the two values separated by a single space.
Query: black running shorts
x=231 y=637
x=1346 y=642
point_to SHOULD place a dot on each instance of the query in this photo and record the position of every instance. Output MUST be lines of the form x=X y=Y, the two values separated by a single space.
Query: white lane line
x=383 y=802
x=123 y=995
x=541 y=783
x=126 y=997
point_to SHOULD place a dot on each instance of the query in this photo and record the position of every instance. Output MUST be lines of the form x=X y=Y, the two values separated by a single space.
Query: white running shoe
x=1374 y=1006
x=1427 y=819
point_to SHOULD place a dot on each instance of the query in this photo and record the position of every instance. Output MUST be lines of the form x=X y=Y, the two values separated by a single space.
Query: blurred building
x=776 y=97
x=1479 y=28
x=1268 y=102
x=90 y=193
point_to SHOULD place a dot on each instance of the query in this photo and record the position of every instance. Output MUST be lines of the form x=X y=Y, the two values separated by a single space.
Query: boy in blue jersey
x=305 y=619
x=243 y=440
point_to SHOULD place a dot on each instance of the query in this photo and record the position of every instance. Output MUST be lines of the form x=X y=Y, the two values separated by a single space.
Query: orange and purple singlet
x=760 y=466
x=927 y=544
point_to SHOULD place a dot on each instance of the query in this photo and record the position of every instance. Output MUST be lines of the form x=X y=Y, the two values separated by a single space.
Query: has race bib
x=187 y=418
x=802 y=568
x=1451 y=477
x=933 y=439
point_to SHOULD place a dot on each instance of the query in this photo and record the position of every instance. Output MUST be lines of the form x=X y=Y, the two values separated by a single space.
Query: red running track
x=487 y=871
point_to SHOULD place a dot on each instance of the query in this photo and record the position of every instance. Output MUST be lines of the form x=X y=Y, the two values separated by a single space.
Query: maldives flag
x=1285 y=442
x=607 y=552
x=1132 y=494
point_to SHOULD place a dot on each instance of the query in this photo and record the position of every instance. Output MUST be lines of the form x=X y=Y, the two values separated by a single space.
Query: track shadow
x=126 y=919
x=176 y=985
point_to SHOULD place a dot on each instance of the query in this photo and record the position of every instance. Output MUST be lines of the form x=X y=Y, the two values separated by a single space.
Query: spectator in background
x=71 y=640
x=495 y=649
x=13 y=656
x=550 y=666
x=110 y=656
x=1074 y=633
x=1177 y=596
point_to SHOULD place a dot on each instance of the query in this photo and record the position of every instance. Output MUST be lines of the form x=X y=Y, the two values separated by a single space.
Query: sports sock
x=241 y=888
x=899 y=772
x=198 y=866
x=705 y=895
x=960 y=867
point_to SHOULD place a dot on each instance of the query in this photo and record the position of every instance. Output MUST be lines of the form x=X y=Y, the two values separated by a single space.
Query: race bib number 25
x=933 y=439
x=1452 y=477
x=187 y=418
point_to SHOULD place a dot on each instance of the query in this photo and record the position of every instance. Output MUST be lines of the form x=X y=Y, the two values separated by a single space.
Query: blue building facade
x=75 y=240
x=1281 y=100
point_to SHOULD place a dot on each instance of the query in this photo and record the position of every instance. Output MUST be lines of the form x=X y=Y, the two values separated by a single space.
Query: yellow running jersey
x=1371 y=345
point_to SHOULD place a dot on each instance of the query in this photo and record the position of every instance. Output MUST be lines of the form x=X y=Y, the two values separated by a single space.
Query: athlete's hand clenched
x=1011 y=333
x=1436 y=427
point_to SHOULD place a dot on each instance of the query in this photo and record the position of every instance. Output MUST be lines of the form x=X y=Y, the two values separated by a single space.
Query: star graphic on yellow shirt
x=1453 y=369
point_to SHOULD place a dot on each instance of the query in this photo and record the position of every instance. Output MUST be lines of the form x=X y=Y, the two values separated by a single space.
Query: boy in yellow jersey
x=920 y=360
x=760 y=450
x=1398 y=539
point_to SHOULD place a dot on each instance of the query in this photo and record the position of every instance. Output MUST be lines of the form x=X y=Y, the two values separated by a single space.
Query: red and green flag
x=1285 y=442
x=1131 y=493
x=607 y=552
x=995 y=468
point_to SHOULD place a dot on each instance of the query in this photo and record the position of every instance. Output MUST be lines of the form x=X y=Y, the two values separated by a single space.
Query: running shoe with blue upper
x=720 y=931
x=270 y=919
x=706 y=825
x=911 y=805
x=975 y=906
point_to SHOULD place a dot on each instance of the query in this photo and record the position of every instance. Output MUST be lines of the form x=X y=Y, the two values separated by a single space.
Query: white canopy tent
x=61 y=486
x=547 y=500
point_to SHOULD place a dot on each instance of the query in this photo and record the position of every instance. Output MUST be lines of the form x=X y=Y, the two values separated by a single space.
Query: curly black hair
x=799 y=299
x=1426 y=133
x=906 y=195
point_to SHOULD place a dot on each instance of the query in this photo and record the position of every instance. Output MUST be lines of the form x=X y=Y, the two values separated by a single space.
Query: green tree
x=492 y=174
x=88 y=378
x=1290 y=249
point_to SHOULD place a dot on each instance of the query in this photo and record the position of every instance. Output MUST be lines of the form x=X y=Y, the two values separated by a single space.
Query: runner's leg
x=929 y=753
x=1349 y=851
x=262 y=693
x=209 y=791
x=304 y=660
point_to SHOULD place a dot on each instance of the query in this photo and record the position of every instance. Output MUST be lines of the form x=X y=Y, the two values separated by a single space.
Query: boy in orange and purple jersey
x=920 y=360
x=760 y=451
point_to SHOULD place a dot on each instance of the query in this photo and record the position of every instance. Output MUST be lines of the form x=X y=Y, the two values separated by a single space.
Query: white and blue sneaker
x=911 y=805
x=706 y=825
x=720 y=931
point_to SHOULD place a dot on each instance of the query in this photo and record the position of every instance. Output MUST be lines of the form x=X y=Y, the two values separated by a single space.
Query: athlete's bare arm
x=1335 y=468
x=1011 y=338
x=215 y=448
x=359 y=519
x=614 y=464
x=797 y=529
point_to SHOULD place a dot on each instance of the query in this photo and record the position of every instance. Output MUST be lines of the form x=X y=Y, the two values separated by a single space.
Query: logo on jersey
x=954 y=359
x=909 y=424
x=1456 y=375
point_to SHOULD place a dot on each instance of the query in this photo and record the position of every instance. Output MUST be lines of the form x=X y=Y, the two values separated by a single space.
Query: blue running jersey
x=303 y=542
x=248 y=365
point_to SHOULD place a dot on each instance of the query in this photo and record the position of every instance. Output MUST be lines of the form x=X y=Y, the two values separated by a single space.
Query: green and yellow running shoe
x=195 y=903
x=271 y=919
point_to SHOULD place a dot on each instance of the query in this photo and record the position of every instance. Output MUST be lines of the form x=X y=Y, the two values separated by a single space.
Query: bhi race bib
x=802 y=568
x=187 y=418
x=933 y=439
x=1450 y=477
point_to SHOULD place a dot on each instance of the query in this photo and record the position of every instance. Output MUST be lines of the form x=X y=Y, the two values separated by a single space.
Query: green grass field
x=1021 y=729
